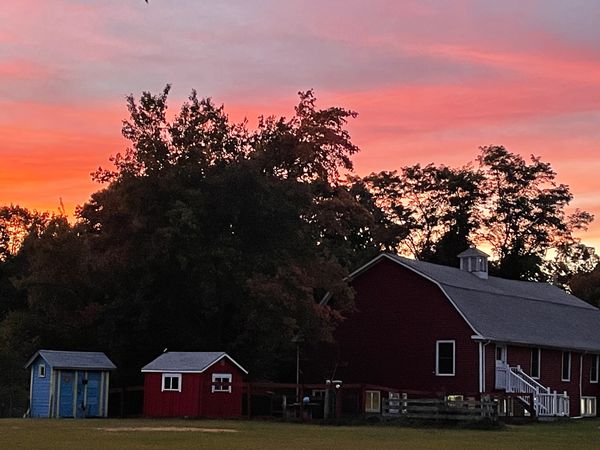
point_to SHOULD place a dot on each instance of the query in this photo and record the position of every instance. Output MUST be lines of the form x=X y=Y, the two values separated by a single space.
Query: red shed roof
x=188 y=362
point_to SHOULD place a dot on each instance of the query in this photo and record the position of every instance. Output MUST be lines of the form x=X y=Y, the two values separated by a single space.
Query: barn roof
x=189 y=362
x=512 y=311
x=74 y=360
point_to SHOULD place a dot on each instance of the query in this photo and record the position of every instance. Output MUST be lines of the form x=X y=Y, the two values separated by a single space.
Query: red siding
x=196 y=398
x=391 y=339
x=550 y=371
x=222 y=404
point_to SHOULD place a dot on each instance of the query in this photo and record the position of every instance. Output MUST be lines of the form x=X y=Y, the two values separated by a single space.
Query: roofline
x=224 y=355
x=30 y=361
x=375 y=260
x=533 y=344
x=171 y=371
x=352 y=275
x=39 y=353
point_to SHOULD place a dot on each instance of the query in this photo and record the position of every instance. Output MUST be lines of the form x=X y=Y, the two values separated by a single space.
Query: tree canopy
x=206 y=235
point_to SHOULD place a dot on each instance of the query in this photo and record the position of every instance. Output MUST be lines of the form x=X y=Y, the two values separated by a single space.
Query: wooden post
x=284 y=407
x=338 y=403
x=362 y=400
x=249 y=399
x=122 y=400
x=297 y=372
x=327 y=400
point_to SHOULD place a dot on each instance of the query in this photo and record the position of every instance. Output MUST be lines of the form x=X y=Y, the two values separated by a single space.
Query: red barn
x=427 y=327
x=193 y=384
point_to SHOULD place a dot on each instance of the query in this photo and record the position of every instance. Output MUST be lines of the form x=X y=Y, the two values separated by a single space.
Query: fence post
x=404 y=409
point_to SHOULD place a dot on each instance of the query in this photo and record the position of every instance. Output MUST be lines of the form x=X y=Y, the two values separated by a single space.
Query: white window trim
x=220 y=388
x=375 y=394
x=170 y=375
x=594 y=405
x=539 y=352
x=597 y=357
x=318 y=393
x=437 y=358
x=562 y=368
x=42 y=368
x=503 y=353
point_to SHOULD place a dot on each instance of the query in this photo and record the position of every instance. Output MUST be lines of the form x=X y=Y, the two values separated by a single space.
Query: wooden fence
x=439 y=409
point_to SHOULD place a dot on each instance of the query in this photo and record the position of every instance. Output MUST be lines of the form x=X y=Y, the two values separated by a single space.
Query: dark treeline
x=209 y=236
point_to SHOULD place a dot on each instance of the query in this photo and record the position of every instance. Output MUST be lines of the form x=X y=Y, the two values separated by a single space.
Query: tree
x=204 y=228
x=525 y=212
x=572 y=260
x=16 y=223
x=586 y=285
x=434 y=208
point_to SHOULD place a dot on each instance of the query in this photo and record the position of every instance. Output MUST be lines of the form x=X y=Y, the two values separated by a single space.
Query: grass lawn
x=210 y=434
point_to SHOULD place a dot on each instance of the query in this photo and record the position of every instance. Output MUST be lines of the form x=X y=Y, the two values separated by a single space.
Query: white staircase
x=545 y=402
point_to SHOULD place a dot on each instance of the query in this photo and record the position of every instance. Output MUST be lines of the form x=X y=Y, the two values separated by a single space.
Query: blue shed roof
x=74 y=360
x=191 y=362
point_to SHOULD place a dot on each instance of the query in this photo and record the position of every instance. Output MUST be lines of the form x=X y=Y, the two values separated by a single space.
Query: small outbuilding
x=193 y=384
x=69 y=384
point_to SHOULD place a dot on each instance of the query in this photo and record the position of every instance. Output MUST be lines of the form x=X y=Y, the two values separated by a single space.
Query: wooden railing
x=545 y=402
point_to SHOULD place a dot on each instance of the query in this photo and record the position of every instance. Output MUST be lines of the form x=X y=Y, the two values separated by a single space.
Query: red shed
x=193 y=384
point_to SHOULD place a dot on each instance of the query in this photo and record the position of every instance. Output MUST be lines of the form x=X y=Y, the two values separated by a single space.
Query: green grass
x=93 y=434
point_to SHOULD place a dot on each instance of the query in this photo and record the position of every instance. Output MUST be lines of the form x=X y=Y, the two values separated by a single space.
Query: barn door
x=66 y=386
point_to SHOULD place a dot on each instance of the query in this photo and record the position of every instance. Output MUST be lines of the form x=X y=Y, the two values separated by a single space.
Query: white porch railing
x=545 y=402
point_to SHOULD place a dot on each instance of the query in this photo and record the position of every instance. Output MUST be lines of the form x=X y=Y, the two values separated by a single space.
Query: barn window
x=588 y=406
x=535 y=363
x=42 y=370
x=221 y=382
x=444 y=364
x=373 y=401
x=171 y=382
x=566 y=366
x=594 y=369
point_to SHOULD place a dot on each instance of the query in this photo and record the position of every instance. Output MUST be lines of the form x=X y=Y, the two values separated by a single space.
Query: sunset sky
x=432 y=80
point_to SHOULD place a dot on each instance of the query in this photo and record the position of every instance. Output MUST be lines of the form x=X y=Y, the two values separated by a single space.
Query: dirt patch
x=178 y=429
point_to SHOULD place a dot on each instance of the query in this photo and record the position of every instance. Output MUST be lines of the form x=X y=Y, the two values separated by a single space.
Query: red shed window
x=221 y=382
x=171 y=382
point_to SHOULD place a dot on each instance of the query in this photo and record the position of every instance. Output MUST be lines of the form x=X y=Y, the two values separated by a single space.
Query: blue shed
x=69 y=384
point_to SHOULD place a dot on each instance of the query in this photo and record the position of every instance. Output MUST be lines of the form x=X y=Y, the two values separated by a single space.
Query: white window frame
x=163 y=387
x=587 y=406
x=221 y=377
x=42 y=370
x=318 y=393
x=503 y=353
x=539 y=358
x=437 y=358
x=370 y=396
x=562 y=367
x=597 y=364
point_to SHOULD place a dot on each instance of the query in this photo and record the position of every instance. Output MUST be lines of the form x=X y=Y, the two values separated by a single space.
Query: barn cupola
x=474 y=261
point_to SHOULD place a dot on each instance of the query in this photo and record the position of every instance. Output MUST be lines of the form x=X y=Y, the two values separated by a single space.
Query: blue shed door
x=81 y=384
x=93 y=394
x=67 y=380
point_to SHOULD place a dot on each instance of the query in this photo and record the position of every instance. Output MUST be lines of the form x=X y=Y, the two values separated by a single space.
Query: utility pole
x=298 y=339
